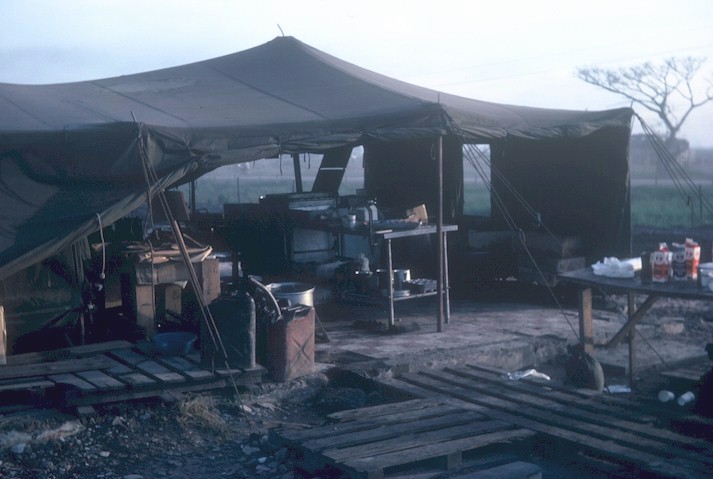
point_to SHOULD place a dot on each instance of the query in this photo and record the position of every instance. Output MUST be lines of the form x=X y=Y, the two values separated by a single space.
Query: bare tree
x=660 y=88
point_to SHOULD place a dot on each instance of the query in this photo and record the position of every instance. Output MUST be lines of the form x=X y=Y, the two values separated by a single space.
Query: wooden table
x=586 y=280
x=139 y=295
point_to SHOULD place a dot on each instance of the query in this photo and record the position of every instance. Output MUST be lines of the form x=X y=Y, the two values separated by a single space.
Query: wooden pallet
x=689 y=374
x=609 y=428
x=105 y=372
x=371 y=442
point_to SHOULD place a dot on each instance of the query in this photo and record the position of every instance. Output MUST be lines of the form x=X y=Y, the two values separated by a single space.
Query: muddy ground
x=221 y=434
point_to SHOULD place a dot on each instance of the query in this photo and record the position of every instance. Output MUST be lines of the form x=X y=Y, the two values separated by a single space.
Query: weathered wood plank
x=74 y=381
x=54 y=367
x=186 y=367
x=595 y=402
x=382 y=409
x=580 y=410
x=295 y=437
x=66 y=353
x=381 y=443
x=379 y=432
x=115 y=367
x=450 y=450
x=156 y=389
x=161 y=373
x=128 y=356
x=576 y=394
x=687 y=374
x=603 y=447
x=26 y=385
x=135 y=379
x=654 y=439
x=101 y=380
x=147 y=366
x=513 y=470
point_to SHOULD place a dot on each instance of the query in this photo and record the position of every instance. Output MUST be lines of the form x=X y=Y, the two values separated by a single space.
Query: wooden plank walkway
x=688 y=374
x=370 y=442
x=609 y=428
x=104 y=372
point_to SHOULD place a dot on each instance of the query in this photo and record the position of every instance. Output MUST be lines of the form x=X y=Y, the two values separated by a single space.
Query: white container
x=686 y=398
x=666 y=396
x=706 y=272
x=400 y=276
x=661 y=266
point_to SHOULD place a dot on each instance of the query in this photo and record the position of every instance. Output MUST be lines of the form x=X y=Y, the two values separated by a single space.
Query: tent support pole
x=439 y=231
x=193 y=196
x=298 y=172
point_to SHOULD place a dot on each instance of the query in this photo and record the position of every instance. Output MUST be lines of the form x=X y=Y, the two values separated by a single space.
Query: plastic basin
x=174 y=343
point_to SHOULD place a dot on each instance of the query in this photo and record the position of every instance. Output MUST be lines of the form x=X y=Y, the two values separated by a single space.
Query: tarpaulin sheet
x=70 y=152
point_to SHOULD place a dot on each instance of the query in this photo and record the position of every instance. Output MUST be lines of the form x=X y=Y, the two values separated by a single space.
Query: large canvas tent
x=72 y=155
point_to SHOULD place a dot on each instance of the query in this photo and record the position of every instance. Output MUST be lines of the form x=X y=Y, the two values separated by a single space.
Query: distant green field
x=665 y=206
x=651 y=205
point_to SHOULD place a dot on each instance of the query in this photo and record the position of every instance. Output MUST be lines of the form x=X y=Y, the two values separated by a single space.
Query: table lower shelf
x=376 y=299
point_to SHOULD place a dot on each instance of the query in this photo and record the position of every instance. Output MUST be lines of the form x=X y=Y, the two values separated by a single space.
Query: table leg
x=390 y=286
x=145 y=308
x=585 y=320
x=632 y=314
x=446 y=288
x=632 y=358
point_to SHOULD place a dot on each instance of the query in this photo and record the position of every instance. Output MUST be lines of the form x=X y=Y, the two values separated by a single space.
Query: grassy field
x=664 y=206
x=652 y=205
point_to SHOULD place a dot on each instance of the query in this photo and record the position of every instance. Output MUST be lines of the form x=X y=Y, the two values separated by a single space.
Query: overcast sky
x=518 y=52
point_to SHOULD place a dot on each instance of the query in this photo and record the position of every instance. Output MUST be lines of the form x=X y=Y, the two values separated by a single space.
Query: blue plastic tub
x=174 y=343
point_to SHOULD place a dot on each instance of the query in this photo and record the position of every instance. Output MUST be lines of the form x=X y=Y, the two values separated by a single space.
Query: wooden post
x=439 y=231
x=446 y=286
x=585 y=320
x=145 y=308
x=390 y=283
x=632 y=357
x=631 y=312
x=298 y=172
x=3 y=337
x=193 y=196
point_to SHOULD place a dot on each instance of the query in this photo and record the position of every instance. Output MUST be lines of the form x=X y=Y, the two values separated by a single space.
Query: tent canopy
x=72 y=155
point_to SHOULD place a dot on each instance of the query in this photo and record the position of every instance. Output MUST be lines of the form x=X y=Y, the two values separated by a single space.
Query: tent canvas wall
x=72 y=155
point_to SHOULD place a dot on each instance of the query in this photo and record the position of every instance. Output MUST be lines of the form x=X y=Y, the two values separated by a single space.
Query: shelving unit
x=387 y=236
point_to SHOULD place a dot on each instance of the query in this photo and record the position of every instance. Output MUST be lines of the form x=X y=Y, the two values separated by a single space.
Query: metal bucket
x=295 y=293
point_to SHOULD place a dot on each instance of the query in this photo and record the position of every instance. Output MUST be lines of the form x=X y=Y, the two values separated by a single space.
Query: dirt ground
x=204 y=435
x=220 y=434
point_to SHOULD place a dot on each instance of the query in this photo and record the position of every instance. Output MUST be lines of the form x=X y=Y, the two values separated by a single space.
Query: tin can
x=705 y=271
